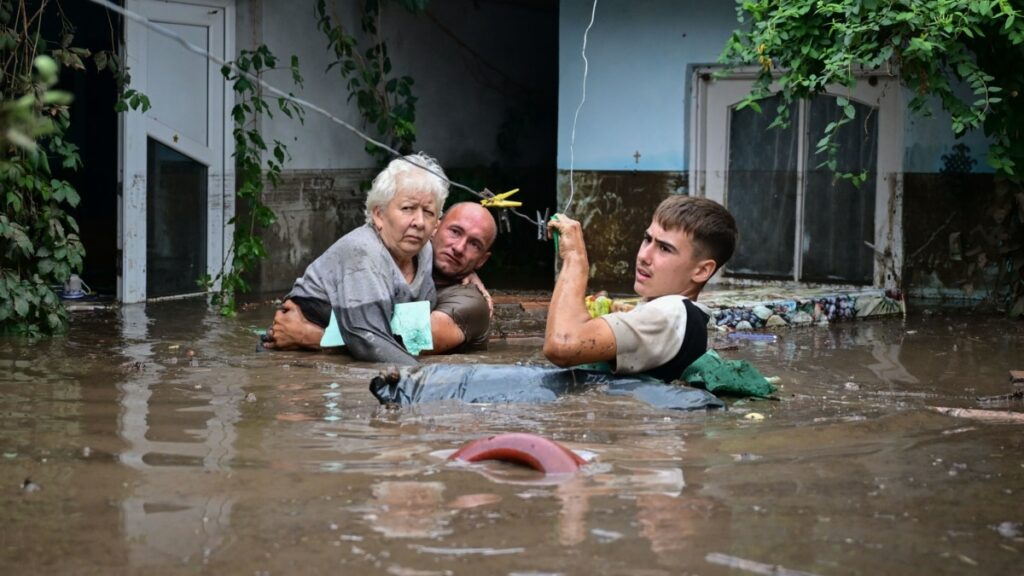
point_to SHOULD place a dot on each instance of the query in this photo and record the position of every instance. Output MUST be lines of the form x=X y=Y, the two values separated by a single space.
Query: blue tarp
x=502 y=383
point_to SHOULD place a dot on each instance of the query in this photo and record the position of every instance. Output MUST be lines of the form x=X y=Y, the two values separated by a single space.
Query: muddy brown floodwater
x=124 y=452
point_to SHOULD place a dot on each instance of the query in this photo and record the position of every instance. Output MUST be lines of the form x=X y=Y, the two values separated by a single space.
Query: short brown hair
x=711 y=226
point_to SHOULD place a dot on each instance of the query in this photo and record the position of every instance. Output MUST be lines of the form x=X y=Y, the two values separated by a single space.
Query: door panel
x=839 y=218
x=761 y=191
x=175 y=221
x=176 y=170
x=176 y=81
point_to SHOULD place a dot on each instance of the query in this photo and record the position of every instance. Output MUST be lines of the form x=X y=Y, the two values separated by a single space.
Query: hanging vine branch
x=385 y=100
x=251 y=155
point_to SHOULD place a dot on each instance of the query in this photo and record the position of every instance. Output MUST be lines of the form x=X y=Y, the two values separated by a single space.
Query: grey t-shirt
x=362 y=282
x=468 y=308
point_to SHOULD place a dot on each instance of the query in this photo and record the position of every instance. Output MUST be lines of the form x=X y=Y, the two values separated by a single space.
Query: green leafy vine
x=385 y=100
x=250 y=149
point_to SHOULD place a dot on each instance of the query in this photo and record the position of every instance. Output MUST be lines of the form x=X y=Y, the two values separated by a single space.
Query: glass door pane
x=761 y=190
x=175 y=221
x=838 y=216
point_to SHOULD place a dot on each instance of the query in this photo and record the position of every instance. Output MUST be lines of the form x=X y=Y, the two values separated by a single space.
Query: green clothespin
x=554 y=233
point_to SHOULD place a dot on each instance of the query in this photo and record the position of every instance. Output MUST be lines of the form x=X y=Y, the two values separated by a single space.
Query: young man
x=688 y=240
x=460 y=321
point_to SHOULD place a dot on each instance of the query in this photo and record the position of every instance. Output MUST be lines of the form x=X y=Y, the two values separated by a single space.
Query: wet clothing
x=468 y=308
x=660 y=337
x=316 y=311
x=362 y=283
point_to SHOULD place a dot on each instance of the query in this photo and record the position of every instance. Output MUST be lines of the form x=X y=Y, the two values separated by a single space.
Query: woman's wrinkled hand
x=292 y=331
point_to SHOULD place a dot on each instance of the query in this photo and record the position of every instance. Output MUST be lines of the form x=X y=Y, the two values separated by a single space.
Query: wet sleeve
x=649 y=335
x=362 y=299
x=468 y=309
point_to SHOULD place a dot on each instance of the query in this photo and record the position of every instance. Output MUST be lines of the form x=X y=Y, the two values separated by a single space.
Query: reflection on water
x=408 y=510
x=169 y=514
x=163 y=441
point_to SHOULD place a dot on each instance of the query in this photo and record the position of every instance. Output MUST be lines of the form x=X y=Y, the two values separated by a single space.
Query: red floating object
x=539 y=453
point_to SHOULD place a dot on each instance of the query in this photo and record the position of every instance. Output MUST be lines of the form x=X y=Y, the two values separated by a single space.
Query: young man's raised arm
x=572 y=337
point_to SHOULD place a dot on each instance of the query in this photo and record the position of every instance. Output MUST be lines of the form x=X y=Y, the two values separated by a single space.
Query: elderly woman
x=369 y=270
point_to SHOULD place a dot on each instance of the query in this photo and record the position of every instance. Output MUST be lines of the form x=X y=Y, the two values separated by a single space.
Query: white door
x=796 y=220
x=177 y=173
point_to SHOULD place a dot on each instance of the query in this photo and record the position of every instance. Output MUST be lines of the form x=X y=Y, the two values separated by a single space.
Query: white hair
x=429 y=177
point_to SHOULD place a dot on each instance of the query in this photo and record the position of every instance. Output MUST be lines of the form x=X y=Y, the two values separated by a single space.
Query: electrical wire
x=572 y=139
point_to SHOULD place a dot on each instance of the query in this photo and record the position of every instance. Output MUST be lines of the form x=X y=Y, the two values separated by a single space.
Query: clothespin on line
x=500 y=200
x=542 y=224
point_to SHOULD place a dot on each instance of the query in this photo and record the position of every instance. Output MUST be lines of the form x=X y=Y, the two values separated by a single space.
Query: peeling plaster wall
x=615 y=208
x=928 y=138
x=314 y=208
x=942 y=228
x=467 y=79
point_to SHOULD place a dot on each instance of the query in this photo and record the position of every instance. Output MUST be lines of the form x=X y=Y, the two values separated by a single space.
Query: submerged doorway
x=177 y=175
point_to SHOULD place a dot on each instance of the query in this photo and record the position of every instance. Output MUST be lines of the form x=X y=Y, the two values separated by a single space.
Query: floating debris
x=752 y=566
x=1012 y=530
x=982 y=415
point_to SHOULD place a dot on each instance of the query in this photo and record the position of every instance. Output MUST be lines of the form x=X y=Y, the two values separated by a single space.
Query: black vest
x=695 y=344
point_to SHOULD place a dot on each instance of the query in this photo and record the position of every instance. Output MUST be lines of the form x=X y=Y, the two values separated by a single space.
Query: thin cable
x=572 y=139
x=289 y=97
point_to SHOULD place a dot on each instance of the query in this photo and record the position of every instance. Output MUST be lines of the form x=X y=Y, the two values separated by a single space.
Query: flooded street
x=158 y=440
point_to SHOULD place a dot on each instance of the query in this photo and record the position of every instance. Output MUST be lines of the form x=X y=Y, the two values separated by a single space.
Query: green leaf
x=20 y=305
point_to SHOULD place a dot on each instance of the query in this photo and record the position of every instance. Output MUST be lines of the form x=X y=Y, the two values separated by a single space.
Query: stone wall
x=314 y=208
x=948 y=220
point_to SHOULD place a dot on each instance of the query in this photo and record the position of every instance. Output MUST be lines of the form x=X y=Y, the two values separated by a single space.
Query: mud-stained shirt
x=362 y=282
x=468 y=308
x=660 y=337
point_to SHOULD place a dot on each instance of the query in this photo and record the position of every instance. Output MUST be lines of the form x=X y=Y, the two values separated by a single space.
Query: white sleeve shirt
x=649 y=335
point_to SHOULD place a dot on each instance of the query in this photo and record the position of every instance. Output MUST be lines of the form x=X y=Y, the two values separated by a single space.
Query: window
x=797 y=220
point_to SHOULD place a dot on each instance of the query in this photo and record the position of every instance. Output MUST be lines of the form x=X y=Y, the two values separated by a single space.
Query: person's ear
x=482 y=261
x=378 y=218
x=704 y=270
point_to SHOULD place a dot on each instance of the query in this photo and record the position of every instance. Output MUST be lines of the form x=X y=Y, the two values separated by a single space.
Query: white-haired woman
x=365 y=273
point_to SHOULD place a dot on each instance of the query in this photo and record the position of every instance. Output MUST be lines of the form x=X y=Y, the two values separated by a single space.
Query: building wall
x=631 y=136
x=638 y=54
x=486 y=106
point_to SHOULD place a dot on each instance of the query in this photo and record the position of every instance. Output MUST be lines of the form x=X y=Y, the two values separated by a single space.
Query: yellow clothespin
x=499 y=200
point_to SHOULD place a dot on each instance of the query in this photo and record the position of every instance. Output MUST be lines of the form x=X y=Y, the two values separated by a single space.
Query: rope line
x=572 y=139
